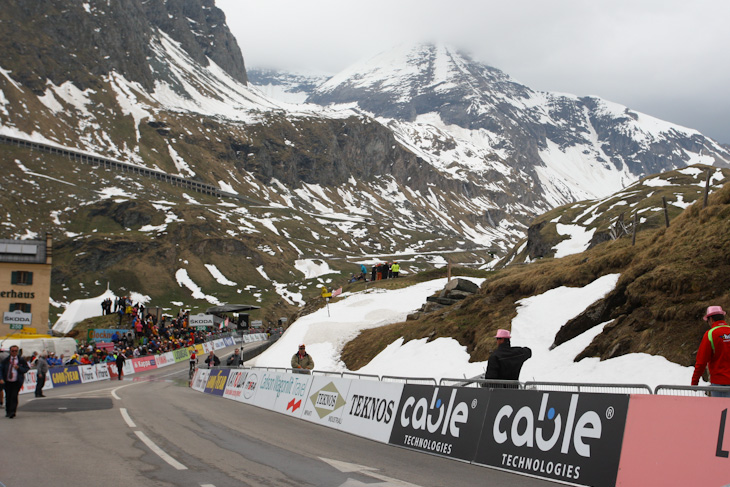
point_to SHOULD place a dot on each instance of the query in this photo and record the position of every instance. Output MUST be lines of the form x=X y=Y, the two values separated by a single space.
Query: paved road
x=153 y=430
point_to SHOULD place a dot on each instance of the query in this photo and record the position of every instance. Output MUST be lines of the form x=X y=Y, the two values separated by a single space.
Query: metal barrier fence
x=586 y=387
x=487 y=383
x=671 y=390
x=409 y=380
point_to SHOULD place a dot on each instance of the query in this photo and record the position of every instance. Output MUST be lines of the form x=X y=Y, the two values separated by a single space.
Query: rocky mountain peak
x=109 y=36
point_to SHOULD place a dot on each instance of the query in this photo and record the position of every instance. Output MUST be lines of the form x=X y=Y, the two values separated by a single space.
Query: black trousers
x=39 y=385
x=12 y=389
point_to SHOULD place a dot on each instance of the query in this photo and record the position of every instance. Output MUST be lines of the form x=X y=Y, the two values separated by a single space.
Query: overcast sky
x=666 y=58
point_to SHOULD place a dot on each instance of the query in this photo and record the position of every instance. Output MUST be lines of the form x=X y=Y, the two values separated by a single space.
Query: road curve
x=153 y=430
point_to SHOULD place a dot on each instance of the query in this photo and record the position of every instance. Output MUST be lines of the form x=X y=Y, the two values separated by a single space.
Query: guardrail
x=671 y=390
x=95 y=160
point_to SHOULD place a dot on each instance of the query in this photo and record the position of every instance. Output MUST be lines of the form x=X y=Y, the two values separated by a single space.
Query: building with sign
x=25 y=284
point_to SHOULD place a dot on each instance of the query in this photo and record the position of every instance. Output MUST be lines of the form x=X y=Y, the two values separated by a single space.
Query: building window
x=21 y=277
x=24 y=307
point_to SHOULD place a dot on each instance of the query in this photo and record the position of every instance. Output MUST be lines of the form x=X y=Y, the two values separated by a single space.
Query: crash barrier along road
x=537 y=429
x=81 y=374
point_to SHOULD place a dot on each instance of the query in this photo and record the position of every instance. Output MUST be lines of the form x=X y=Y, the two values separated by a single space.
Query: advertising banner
x=180 y=354
x=141 y=364
x=88 y=373
x=102 y=372
x=30 y=382
x=18 y=318
x=284 y=393
x=218 y=344
x=562 y=436
x=200 y=379
x=128 y=369
x=326 y=401
x=207 y=347
x=235 y=385
x=676 y=441
x=247 y=339
x=444 y=421
x=371 y=409
x=251 y=386
x=165 y=359
x=228 y=341
x=217 y=381
x=65 y=376
x=105 y=334
x=200 y=320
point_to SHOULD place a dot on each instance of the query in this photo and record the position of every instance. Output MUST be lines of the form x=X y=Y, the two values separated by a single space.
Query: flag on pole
x=336 y=292
x=224 y=324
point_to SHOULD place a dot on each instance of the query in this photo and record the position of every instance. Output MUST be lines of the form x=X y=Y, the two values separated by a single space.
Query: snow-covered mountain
x=468 y=118
x=433 y=157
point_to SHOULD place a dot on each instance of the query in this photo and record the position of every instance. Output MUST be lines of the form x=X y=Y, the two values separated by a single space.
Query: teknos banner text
x=563 y=436
x=283 y=393
x=443 y=421
x=370 y=409
x=326 y=401
x=676 y=441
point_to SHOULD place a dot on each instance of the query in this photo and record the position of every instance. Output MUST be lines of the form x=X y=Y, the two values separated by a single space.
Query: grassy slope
x=666 y=282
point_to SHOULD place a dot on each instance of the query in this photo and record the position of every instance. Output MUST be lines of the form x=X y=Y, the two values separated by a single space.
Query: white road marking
x=126 y=417
x=156 y=449
x=207 y=485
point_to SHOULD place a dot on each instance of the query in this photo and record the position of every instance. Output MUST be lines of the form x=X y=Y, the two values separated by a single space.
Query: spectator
x=395 y=268
x=42 y=370
x=12 y=376
x=212 y=360
x=506 y=362
x=714 y=352
x=302 y=361
x=120 y=359
x=235 y=360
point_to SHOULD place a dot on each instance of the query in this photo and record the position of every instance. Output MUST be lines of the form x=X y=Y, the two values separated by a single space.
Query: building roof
x=23 y=251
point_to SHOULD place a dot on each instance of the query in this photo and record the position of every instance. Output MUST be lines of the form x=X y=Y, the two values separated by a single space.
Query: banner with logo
x=88 y=373
x=283 y=393
x=105 y=334
x=165 y=359
x=371 y=409
x=127 y=369
x=141 y=364
x=444 y=421
x=326 y=400
x=235 y=385
x=65 y=376
x=200 y=379
x=31 y=380
x=180 y=354
x=217 y=381
x=102 y=372
x=228 y=341
x=251 y=386
x=676 y=441
x=569 y=437
x=218 y=344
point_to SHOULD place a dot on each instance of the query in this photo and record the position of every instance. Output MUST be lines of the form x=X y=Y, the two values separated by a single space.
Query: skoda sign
x=17 y=319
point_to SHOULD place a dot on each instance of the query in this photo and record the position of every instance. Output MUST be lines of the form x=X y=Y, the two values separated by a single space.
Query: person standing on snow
x=714 y=352
x=506 y=362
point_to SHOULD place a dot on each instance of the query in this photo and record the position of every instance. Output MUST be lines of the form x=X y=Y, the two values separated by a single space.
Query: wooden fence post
x=707 y=186
x=666 y=212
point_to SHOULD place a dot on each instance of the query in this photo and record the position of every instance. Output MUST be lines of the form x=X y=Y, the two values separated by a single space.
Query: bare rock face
x=83 y=41
x=460 y=285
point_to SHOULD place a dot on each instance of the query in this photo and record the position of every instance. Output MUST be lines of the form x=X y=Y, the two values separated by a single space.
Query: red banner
x=676 y=441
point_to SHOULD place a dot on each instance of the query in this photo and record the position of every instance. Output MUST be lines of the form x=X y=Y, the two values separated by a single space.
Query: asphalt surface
x=151 y=429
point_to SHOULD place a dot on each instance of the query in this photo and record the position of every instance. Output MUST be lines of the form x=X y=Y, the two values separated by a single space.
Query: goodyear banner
x=217 y=381
x=65 y=376
x=444 y=421
x=569 y=437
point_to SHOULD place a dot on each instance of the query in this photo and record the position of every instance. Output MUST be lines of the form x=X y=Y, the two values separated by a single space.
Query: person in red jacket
x=714 y=352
